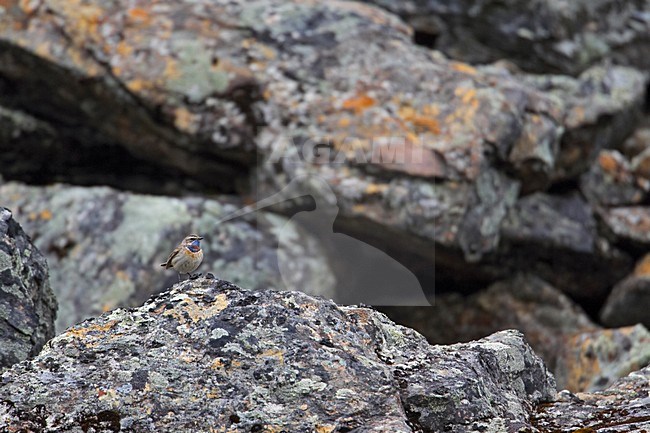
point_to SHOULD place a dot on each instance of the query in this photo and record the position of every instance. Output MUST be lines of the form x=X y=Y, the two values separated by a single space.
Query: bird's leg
x=179 y=277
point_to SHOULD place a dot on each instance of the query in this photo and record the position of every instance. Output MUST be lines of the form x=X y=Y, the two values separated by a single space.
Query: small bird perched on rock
x=186 y=257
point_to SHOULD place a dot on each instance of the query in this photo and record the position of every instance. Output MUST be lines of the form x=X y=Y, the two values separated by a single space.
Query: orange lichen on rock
x=465 y=112
x=138 y=15
x=185 y=120
x=171 y=71
x=608 y=163
x=467 y=95
x=642 y=268
x=581 y=368
x=464 y=68
x=268 y=52
x=217 y=364
x=359 y=103
x=136 y=85
x=27 y=6
x=344 y=122
x=124 y=49
x=274 y=353
x=375 y=188
x=575 y=117
x=359 y=208
x=190 y=309
x=87 y=19
x=83 y=332
x=422 y=122
x=44 y=215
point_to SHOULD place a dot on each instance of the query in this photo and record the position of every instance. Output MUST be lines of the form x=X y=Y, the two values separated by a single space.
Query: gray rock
x=543 y=36
x=208 y=354
x=241 y=88
x=27 y=305
x=556 y=237
x=525 y=302
x=194 y=102
x=104 y=247
x=103 y=106
x=603 y=106
x=237 y=79
x=621 y=408
x=637 y=149
x=628 y=302
x=582 y=356
x=628 y=225
x=593 y=360
x=611 y=181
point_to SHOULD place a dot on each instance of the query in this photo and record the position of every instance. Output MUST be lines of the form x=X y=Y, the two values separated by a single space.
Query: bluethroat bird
x=186 y=257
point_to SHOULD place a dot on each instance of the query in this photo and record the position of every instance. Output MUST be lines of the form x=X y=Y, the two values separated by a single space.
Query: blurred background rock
x=124 y=126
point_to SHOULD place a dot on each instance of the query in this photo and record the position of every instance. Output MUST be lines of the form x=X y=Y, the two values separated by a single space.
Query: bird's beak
x=200 y=238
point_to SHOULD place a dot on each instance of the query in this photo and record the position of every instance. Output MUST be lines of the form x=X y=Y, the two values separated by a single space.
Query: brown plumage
x=186 y=257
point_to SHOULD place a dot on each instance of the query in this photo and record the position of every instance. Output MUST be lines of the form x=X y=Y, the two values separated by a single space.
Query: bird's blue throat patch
x=194 y=246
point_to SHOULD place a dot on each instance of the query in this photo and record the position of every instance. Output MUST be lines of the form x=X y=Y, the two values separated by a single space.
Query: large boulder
x=104 y=247
x=209 y=355
x=27 y=304
x=543 y=36
x=215 y=91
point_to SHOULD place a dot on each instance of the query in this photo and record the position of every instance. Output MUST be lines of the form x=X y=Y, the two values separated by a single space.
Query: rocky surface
x=27 y=304
x=581 y=355
x=611 y=181
x=543 y=36
x=621 y=408
x=104 y=247
x=593 y=360
x=208 y=354
x=467 y=175
x=216 y=91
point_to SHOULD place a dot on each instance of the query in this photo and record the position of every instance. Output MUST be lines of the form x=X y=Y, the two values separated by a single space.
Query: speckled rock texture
x=27 y=304
x=617 y=187
x=543 y=35
x=621 y=408
x=612 y=181
x=466 y=174
x=104 y=247
x=219 y=91
x=593 y=360
x=209 y=356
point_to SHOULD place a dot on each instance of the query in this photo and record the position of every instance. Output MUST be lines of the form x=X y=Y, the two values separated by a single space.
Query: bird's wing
x=168 y=263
